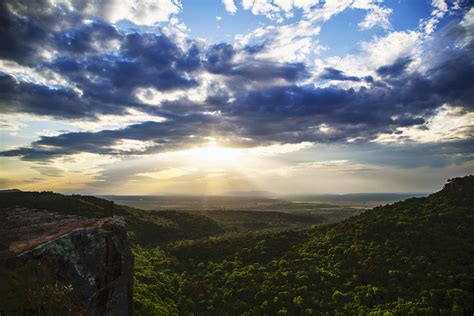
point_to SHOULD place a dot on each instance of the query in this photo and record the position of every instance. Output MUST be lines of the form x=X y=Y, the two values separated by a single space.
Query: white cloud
x=166 y=174
x=109 y=121
x=208 y=83
x=468 y=24
x=230 y=6
x=305 y=4
x=296 y=42
x=292 y=43
x=380 y=51
x=440 y=8
x=377 y=16
x=142 y=12
x=128 y=145
x=9 y=125
x=386 y=50
x=277 y=10
x=285 y=43
x=38 y=75
x=449 y=124
x=468 y=20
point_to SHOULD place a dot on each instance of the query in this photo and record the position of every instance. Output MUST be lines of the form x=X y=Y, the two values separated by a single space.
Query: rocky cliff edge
x=52 y=264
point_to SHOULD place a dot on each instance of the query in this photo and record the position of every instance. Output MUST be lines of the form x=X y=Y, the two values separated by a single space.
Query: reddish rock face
x=91 y=256
x=459 y=191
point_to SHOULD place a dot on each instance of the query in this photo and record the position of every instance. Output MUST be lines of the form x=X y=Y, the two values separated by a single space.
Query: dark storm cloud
x=101 y=82
x=220 y=60
x=20 y=38
x=398 y=155
x=88 y=39
x=335 y=74
x=145 y=61
x=159 y=52
x=298 y=111
x=415 y=155
x=109 y=73
x=58 y=102
x=401 y=99
x=104 y=82
x=105 y=67
x=28 y=29
x=395 y=69
x=287 y=114
x=169 y=135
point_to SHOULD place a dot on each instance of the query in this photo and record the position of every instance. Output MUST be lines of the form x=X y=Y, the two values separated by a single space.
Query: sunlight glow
x=213 y=155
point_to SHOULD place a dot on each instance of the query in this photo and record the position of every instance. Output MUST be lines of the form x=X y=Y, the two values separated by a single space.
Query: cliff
x=459 y=190
x=53 y=264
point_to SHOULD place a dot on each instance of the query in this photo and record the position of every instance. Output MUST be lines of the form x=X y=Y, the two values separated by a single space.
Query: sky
x=206 y=97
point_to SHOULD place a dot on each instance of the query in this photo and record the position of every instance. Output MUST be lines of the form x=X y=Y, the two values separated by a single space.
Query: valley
x=380 y=261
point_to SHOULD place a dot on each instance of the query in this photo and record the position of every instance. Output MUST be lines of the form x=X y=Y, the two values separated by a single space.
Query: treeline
x=410 y=258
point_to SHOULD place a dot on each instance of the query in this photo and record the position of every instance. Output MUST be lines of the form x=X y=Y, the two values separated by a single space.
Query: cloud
x=386 y=50
x=244 y=100
x=279 y=10
x=221 y=59
x=414 y=155
x=377 y=16
x=230 y=6
x=144 y=12
x=49 y=171
x=42 y=100
x=395 y=69
x=335 y=74
x=297 y=41
x=275 y=10
x=291 y=42
x=289 y=113
x=448 y=124
x=9 y=125
x=21 y=39
x=159 y=136
x=95 y=67
x=102 y=70
x=440 y=8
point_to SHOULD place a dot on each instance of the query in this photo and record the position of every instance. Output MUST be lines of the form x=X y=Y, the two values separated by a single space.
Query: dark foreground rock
x=54 y=264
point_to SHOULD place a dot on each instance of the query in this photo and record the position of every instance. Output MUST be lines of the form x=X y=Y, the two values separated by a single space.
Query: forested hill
x=414 y=257
x=410 y=258
x=144 y=227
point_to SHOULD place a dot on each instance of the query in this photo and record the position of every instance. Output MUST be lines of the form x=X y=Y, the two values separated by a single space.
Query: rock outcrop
x=460 y=190
x=88 y=259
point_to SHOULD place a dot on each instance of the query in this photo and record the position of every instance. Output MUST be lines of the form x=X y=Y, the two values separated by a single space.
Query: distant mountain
x=250 y=194
x=10 y=191
x=330 y=197
x=359 y=196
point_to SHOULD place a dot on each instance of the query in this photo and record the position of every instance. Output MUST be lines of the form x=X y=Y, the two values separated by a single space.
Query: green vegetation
x=220 y=207
x=414 y=257
x=36 y=294
x=245 y=221
x=53 y=202
x=145 y=227
x=409 y=258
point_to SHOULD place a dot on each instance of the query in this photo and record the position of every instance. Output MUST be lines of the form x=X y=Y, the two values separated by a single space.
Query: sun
x=213 y=154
